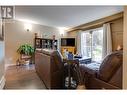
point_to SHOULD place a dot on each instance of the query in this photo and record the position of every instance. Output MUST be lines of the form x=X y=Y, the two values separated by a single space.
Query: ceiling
x=64 y=16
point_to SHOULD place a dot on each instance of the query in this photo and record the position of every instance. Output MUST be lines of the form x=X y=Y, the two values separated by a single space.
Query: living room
x=81 y=38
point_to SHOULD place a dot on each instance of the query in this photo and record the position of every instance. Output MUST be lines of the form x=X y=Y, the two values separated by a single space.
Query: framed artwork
x=1 y=31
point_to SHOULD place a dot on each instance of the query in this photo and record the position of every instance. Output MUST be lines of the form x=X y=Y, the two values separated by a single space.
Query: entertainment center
x=68 y=44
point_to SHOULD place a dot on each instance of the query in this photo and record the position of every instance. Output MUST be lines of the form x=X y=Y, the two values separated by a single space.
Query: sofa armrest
x=57 y=80
x=94 y=83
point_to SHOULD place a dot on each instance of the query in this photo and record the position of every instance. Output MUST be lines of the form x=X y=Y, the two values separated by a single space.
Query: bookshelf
x=45 y=43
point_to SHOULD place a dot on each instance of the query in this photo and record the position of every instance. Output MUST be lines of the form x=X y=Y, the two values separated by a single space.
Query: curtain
x=107 y=40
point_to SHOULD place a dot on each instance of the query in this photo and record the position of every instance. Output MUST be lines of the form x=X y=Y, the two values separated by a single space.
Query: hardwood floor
x=22 y=77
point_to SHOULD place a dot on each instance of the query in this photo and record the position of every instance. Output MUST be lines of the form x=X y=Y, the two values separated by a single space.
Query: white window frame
x=88 y=31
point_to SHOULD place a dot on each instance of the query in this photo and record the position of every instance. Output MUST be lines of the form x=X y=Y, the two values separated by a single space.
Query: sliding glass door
x=86 y=44
x=92 y=43
x=97 y=44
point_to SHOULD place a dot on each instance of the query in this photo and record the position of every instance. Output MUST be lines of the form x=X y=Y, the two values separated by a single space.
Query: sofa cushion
x=110 y=65
x=91 y=68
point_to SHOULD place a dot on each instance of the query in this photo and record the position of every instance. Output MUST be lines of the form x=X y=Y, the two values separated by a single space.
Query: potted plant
x=26 y=52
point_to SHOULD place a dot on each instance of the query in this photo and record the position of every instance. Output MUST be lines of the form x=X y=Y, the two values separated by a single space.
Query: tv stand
x=68 y=44
x=69 y=48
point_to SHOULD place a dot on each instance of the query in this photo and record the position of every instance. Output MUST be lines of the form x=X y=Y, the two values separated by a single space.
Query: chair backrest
x=110 y=65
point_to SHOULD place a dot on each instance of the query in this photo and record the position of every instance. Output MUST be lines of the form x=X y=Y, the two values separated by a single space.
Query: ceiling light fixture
x=62 y=30
x=27 y=26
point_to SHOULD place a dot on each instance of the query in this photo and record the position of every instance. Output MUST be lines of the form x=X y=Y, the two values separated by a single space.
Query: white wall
x=15 y=35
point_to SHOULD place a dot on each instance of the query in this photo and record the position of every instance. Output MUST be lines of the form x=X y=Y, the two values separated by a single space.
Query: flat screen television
x=67 y=41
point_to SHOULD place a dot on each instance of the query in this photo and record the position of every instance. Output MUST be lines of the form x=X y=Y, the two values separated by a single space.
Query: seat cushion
x=110 y=65
x=91 y=68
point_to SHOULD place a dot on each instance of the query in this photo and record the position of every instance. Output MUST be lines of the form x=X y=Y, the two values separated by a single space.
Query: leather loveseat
x=106 y=76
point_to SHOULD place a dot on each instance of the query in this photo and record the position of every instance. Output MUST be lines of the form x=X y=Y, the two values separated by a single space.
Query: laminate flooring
x=22 y=77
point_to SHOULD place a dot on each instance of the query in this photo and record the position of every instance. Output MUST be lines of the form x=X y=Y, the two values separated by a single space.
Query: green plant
x=26 y=49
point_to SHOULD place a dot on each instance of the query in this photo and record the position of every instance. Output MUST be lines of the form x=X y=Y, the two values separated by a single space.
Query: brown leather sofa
x=107 y=76
x=49 y=67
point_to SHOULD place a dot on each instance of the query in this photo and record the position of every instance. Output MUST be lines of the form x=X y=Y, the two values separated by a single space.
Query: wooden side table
x=70 y=63
x=23 y=58
x=74 y=63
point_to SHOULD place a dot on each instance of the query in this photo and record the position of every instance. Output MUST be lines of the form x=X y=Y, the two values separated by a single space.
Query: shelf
x=45 y=43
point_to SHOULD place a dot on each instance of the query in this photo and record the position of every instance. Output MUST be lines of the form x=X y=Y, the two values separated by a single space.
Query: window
x=92 y=43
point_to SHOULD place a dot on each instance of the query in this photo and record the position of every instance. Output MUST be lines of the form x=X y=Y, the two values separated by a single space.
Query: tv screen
x=68 y=42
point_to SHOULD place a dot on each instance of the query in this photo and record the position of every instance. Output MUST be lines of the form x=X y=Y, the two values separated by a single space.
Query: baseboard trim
x=2 y=82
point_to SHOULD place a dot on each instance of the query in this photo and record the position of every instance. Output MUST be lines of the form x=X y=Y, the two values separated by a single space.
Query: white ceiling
x=64 y=16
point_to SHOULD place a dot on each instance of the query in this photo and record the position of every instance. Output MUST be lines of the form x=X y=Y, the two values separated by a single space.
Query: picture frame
x=1 y=31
